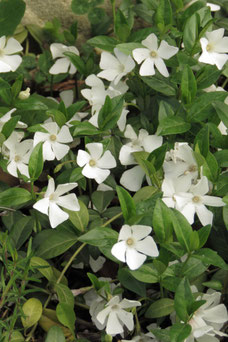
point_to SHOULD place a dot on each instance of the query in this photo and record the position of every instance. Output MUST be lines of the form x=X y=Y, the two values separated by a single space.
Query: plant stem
x=112 y=219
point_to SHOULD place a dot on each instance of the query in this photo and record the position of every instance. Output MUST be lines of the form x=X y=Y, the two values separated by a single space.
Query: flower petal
x=42 y=205
x=132 y=179
x=12 y=46
x=126 y=318
x=107 y=161
x=60 y=66
x=63 y=188
x=147 y=67
x=69 y=201
x=205 y=215
x=134 y=259
x=125 y=232
x=60 y=150
x=140 y=54
x=56 y=215
x=48 y=153
x=13 y=61
x=114 y=326
x=151 y=142
x=95 y=150
x=139 y=232
x=147 y=246
x=119 y=250
x=50 y=187
x=83 y=158
x=167 y=51
x=217 y=314
x=101 y=317
x=151 y=42
x=64 y=135
x=213 y=201
x=160 y=64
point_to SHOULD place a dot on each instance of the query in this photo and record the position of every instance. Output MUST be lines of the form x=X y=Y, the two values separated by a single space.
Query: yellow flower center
x=17 y=158
x=153 y=54
x=92 y=163
x=209 y=47
x=52 y=197
x=53 y=137
x=192 y=168
x=115 y=307
x=196 y=199
x=130 y=241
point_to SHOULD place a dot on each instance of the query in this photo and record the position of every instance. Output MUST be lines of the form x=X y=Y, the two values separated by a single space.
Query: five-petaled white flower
x=114 y=68
x=63 y=63
x=194 y=201
x=18 y=154
x=8 y=60
x=7 y=116
x=54 y=140
x=49 y=205
x=115 y=315
x=215 y=48
x=208 y=319
x=96 y=164
x=153 y=56
x=134 y=244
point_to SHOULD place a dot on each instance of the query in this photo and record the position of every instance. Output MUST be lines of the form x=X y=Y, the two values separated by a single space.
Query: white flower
x=9 y=61
x=153 y=56
x=24 y=94
x=134 y=244
x=172 y=187
x=63 y=63
x=6 y=117
x=182 y=162
x=115 y=316
x=18 y=154
x=194 y=201
x=49 y=205
x=114 y=68
x=208 y=319
x=142 y=142
x=214 y=47
x=132 y=179
x=96 y=164
x=54 y=140
x=97 y=94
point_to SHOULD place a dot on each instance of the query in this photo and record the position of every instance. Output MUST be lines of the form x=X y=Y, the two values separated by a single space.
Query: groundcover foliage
x=114 y=182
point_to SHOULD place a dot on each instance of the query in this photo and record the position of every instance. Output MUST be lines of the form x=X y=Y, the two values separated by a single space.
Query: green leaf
x=101 y=199
x=16 y=336
x=162 y=221
x=210 y=257
x=64 y=294
x=33 y=103
x=127 y=48
x=43 y=267
x=182 y=228
x=16 y=87
x=146 y=273
x=9 y=126
x=14 y=197
x=202 y=107
x=103 y=42
x=188 y=85
x=57 y=116
x=81 y=7
x=121 y=27
x=77 y=62
x=110 y=112
x=21 y=230
x=225 y=216
x=203 y=234
x=66 y=316
x=84 y=128
x=183 y=300
x=159 y=84
x=127 y=203
x=11 y=13
x=158 y=156
x=32 y=309
x=99 y=236
x=129 y=282
x=144 y=193
x=190 y=35
x=179 y=332
x=160 y=308
x=173 y=125
x=80 y=219
x=206 y=76
x=165 y=110
x=210 y=167
x=36 y=162
x=193 y=268
x=55 y=334
x=51 y=243
x=222 y=111
x=202 y=140
x=163 y=16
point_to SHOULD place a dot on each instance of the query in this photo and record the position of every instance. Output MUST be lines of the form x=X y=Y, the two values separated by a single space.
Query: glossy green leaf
x=101 y=199
x=163 y=16
x=36 y=162
x=55 y=334
x=64 y=294
x=146 y=273
x=179 y=332
x=11 y=13
x=99 y=236
x=32 y=309
x=80 y=219
x=160 y=308
x=188 y=85
x=161 y=85
x=210 y=257
x=66 y=315
x=77 y=62
x=190 y=35
x=162 y=221
x=103 y=42
x=172 y=125
x=121 y=26
x=9 y=126
x=127 y=203
x=182 y=228
x=14 y=197
x=110 y=112
x=43 y=267
x=183 y=300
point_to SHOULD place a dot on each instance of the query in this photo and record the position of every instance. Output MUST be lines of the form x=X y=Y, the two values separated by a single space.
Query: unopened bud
x=23 y=95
